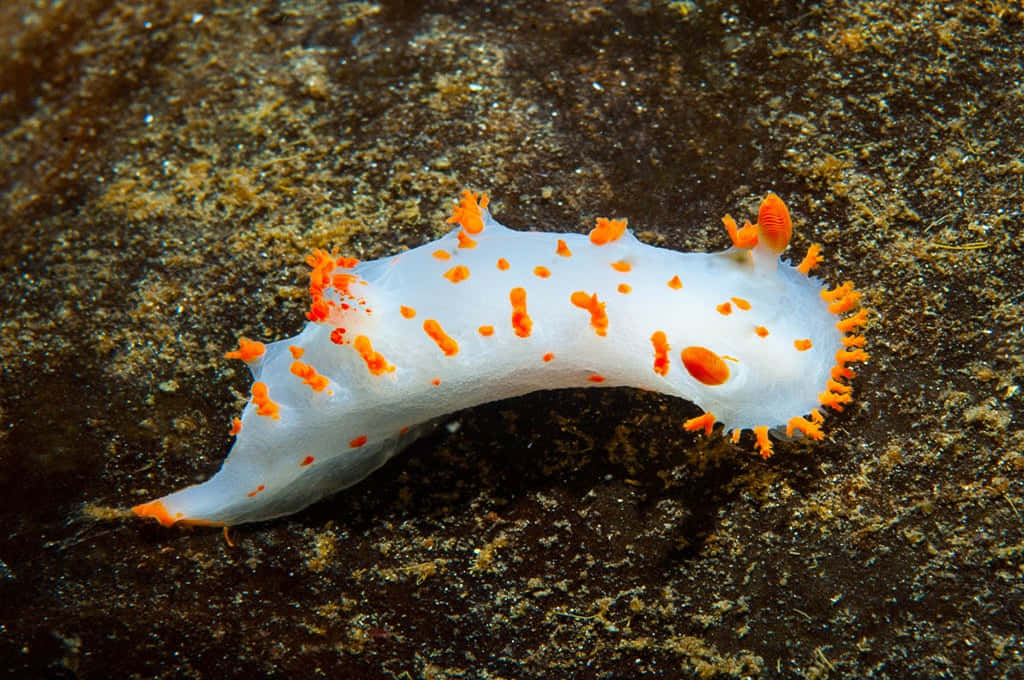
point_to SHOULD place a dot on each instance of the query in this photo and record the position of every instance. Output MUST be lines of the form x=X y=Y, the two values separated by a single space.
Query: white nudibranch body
x=487 y=313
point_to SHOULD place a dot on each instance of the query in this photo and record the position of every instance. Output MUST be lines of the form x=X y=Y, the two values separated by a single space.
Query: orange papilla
x=248 y=350
x=563 y=249
x=264 y=405
x=661 y=349
x=811 y=260
x=762 y=442
x=457 y=273
x=741 y=238
x=705 y=366
x=444 y=341
x=607 y=231
x=805 y=426
x=521 y=321
x=309 y=376
x=774 y=227
x=704 y=422
x=598 y=315
x=469 y=213
x=375 y=361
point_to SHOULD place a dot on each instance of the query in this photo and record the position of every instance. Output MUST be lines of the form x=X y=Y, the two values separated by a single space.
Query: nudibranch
x=487 y=313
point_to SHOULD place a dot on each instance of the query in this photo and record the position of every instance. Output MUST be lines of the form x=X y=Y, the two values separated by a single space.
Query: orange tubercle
x=485 y=331
x=457 y=273
x=541 y=272
x=444 y=341
x=264 y=405
x=675 y=283
x=503 y=264
x=522 y=324
x=598 y=315
x=622 y=266
x=248 y=350
x=563 y=249
x=358 y=441
x=407 y=312
x=607 y=231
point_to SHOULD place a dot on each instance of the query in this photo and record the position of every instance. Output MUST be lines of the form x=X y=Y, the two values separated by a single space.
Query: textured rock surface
x=164 y=167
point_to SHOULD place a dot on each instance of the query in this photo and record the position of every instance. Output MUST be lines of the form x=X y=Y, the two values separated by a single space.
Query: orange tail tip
x=157 y=511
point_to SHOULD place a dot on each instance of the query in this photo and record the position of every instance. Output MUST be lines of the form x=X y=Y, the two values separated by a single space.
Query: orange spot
x=622 y=266
x=236 y=426
x=607 y=231
x=598 y=316
x=548 y=357
x=338 y=336
x=259 y=488
x=264 y=406
x=761 y=331
x=725 y=309
x=297 y=352
x=705 y=366
x=596 y=378
x=442 y=255
x=248 y=350
x=443 y=340
x=435 y=382
x=702 y=422
x=774 y=228
x=358 y=441
x=802 y=345
x=624 y=288
x=469 y=213
x=375 y=361
x=503 y=264
x=465 y=241
x=762 y=443
x=741 y=303
x=521 y=321
x=407 y=312
x=485 y=331
x=542 y=272
x=661 y=349
x=404 y=430
x=308 y=460
x=811 y=260
x=457 y=273
x=563 y=249
x=674 y=283
x=309 y=376
x=157 y=511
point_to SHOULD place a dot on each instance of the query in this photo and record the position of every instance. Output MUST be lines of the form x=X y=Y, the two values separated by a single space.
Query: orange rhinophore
x=521 y=321
x=774 y=227
x=598 y=316
x=444 y=341
x=264 y=405
x=248 y=350
x=309 y=376
x=607 y=231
